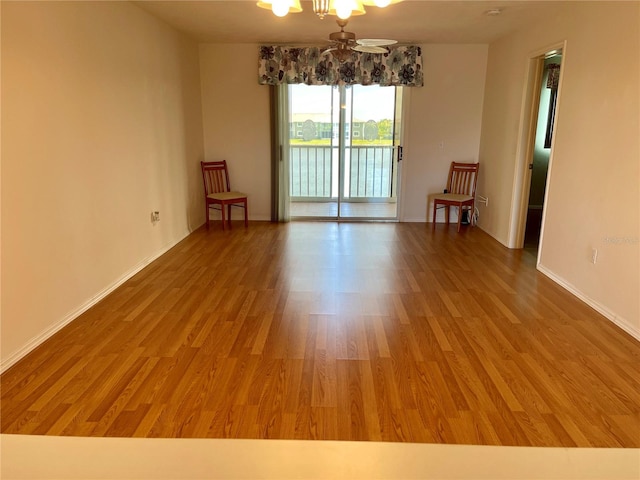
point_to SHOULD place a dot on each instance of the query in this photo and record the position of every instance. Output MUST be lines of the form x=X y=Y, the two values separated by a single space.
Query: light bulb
x=280 y=7
x=382 y=3
x=343 y=8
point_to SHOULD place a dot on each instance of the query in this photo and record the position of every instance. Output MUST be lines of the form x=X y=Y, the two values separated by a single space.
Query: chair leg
x=435 y=209
x=472 y=212
x=446 y=213
x=222 y=215
x=229 y=215
x=459 y=217
x=246 y=215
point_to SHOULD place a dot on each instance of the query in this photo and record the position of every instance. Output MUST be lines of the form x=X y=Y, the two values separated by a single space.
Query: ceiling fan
x=343 y=43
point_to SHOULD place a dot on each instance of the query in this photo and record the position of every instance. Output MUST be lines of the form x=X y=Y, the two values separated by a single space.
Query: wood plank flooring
x=385 y=332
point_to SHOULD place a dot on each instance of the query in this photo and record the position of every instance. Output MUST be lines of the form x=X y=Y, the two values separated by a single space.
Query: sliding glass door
x=343 y=152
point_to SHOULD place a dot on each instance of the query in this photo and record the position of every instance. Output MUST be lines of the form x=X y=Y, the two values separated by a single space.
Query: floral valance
x=401 y=66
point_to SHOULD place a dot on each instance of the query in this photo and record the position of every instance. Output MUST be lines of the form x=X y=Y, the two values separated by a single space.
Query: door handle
x=399 y=153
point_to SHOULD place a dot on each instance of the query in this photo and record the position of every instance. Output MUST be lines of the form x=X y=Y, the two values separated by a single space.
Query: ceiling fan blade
x=375 y=42
x=369 y=49
x=328 y=50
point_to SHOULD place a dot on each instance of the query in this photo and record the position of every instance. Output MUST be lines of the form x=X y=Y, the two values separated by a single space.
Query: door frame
x=526 y=145
x=339 y=96
x=402 y=140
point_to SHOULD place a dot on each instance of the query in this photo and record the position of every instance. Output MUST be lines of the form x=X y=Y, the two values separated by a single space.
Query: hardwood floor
x=387 y=332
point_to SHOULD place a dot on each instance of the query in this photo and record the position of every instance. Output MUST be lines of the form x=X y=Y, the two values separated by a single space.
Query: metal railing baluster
x=312 y=170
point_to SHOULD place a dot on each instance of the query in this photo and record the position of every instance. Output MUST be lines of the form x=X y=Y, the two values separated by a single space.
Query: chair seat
x=453 y=197
x=225 y=196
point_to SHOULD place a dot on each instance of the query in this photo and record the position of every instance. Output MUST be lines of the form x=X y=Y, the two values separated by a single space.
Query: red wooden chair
x=460 y=192
x=218 y=193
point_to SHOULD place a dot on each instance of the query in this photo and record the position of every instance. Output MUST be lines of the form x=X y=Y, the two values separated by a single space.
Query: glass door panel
x=369 y=159
x=313 y=152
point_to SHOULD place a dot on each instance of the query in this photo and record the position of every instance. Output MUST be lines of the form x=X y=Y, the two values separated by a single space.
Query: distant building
x=309 y=126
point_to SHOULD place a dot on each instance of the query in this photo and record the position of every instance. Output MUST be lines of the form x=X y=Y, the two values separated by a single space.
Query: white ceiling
x=412 y=21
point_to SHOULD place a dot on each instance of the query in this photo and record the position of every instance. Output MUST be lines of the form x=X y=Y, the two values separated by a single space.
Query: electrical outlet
x=594 y=255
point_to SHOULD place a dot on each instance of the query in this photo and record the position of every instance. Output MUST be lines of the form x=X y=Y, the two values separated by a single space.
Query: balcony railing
x=314 y=171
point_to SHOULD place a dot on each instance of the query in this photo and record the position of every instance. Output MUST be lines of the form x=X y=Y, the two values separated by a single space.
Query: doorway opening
x=539 y=121
x=343 y=152
x=541 y=153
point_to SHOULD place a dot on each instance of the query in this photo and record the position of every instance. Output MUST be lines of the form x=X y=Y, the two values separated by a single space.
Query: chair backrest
x=463 y=178
x=215 y=176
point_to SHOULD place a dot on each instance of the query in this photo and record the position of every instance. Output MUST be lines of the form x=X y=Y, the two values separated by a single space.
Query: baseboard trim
x=42 y=337
x=607 y=313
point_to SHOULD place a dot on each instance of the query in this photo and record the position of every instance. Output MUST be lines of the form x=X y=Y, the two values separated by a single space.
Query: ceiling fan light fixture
x=345 y=9
x=379 y=3
x=321 y=8
x=281 y=7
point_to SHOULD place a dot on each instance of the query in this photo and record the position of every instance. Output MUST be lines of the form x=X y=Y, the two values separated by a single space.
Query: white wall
x=448 y=108
x=593 y=196
x=236 y=122
x=101 y=124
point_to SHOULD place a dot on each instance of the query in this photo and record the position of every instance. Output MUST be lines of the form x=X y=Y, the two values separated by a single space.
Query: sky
x=370 y=103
